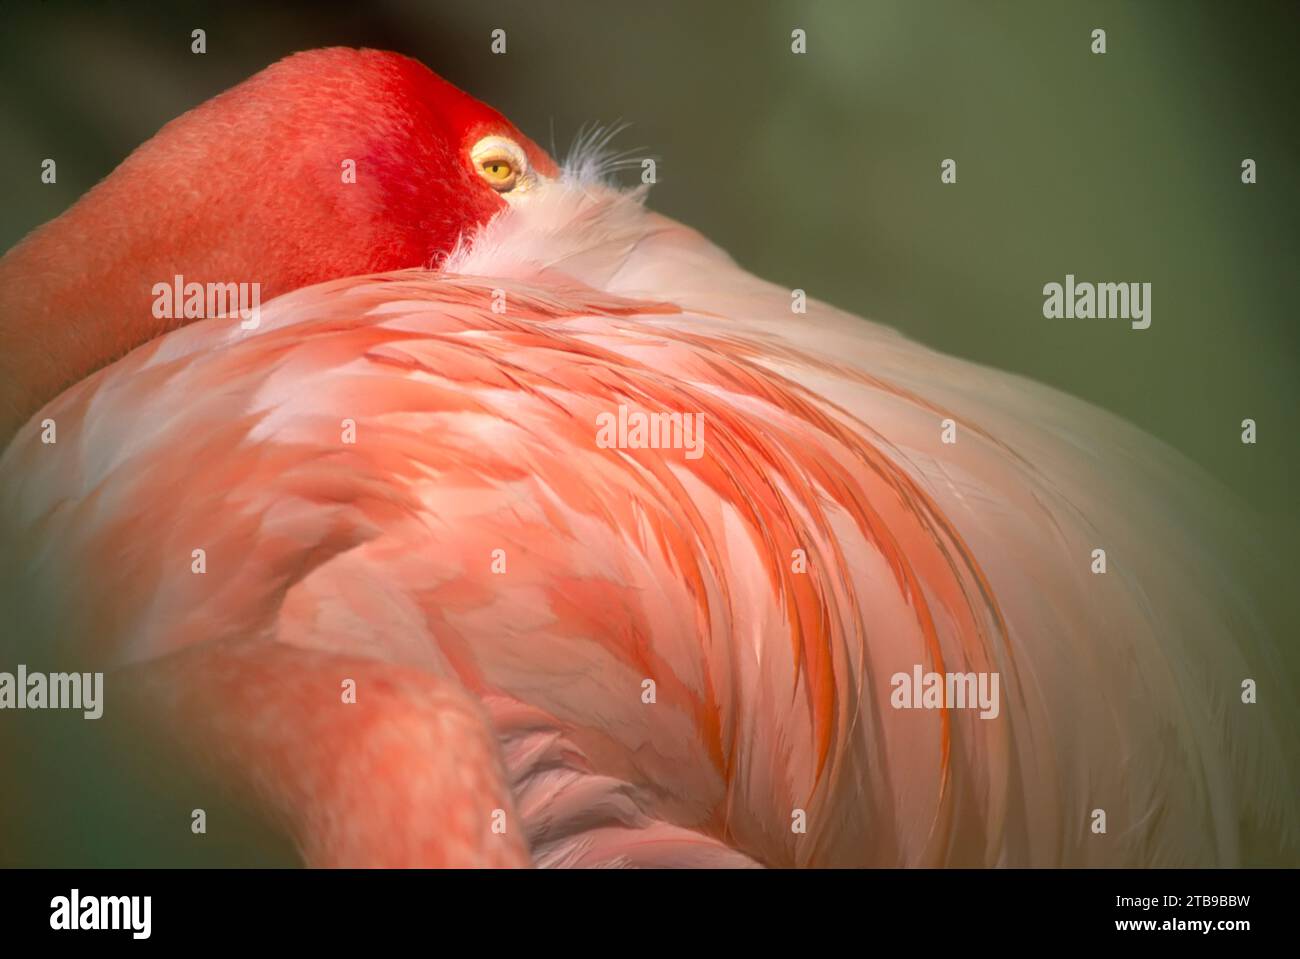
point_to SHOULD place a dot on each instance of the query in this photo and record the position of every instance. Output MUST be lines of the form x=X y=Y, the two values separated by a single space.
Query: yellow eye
x=499 y=172
x=501 y=162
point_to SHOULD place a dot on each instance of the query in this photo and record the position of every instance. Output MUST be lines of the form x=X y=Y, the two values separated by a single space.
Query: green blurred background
x=821 y=171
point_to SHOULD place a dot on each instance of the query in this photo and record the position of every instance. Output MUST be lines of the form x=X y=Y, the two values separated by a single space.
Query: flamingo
x=369 y=570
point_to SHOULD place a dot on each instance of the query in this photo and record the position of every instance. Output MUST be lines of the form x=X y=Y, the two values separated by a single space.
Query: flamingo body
x=502 y=588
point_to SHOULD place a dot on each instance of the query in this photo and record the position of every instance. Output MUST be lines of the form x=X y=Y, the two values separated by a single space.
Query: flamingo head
x=329 y=163
x=360 y=161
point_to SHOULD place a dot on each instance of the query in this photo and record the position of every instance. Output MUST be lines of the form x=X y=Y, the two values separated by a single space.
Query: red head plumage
x=329 y=163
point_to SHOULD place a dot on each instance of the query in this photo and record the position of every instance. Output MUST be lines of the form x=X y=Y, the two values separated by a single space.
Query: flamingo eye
x=500 y=162
x=498 y=171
